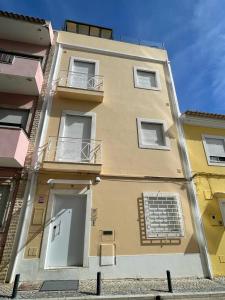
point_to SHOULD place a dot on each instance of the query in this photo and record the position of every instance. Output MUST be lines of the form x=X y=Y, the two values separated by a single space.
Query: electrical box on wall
x=107 y=235
x=107 y=254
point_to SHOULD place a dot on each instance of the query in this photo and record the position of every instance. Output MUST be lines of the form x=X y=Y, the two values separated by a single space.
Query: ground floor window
x=163 y=215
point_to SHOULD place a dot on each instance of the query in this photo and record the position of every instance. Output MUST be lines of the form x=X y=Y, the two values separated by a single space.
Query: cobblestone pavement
x=121 y=287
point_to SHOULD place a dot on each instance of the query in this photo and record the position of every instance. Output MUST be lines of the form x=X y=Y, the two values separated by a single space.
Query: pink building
x=25 y=43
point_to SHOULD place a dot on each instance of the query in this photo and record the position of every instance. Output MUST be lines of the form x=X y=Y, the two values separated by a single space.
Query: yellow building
x=110 y=191
x=205 y=137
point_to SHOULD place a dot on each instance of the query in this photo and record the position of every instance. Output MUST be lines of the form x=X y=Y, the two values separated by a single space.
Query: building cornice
x=110 y=53
x=203 y=122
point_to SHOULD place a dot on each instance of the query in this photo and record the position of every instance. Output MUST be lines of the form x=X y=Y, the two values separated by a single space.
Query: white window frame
x=181 y=215
x=153 y=121
x=219 y=137
x=77 y=113
x=157 y=79
x=81 y=59
x=81 y=114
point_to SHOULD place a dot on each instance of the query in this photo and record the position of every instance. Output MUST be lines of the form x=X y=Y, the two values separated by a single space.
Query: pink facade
x=14 y=146
x=31 y=49
x=23 y=76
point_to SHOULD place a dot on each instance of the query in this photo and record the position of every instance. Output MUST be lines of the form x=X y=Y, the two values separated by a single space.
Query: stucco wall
x=210 y=186
x=116 y=122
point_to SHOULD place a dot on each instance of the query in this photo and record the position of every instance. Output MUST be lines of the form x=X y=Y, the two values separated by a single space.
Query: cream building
x=110 y=192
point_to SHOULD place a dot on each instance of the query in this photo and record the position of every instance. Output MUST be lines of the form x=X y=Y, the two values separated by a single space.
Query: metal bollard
x=15 y=286
x=170 y=288
x=98 y=293
x=157 y=297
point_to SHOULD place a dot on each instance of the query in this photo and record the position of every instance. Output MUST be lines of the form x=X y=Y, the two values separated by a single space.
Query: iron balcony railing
x=74 y=150
x=80 y=80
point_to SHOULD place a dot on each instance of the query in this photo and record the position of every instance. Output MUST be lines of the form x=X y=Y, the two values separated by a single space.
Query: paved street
x=129 y=288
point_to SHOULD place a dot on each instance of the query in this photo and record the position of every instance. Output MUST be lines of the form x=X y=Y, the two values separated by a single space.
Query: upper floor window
x=214 y=149
x=83 y=74
x=14 y=117
x=151 y=134
x=146 y=79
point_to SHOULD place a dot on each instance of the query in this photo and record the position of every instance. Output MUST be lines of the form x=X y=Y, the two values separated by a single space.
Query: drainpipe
x=191 y=187
x=26 y=210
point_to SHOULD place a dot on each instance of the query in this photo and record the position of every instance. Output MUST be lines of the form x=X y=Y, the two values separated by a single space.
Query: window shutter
x=215 y=147
x=152 y=134
x=82 y=74
x=146 y=79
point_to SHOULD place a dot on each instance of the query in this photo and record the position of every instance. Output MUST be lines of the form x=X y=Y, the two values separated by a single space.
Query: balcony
x=20 y=74
x=80 y=86
x=73 y=155
x=13 y=148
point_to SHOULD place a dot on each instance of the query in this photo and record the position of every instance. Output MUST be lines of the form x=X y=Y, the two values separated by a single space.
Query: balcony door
x=74 y=142
x=82 y=74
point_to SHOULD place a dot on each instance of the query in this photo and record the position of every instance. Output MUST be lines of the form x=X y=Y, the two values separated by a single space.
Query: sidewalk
x=185 y=288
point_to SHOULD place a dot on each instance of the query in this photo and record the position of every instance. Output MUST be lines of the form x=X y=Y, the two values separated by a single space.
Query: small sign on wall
x=41 y=199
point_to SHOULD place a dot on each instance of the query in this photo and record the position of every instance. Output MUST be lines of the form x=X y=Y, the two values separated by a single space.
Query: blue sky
x=193 y=32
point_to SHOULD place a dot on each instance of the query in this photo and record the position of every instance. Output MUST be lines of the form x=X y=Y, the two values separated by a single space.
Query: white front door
x=66 y=232
x=74 y=144
x=82 y=74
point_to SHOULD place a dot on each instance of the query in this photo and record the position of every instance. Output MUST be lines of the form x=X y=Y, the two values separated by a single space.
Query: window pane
x=106 y=34
x=163 y=217
x=146 y=79
x=71 y=27
x=14 y=117
x=215 y=147
x=82 y=75
x=152 y=134
x=94 y=31
x=83 y=29
x=4 y=194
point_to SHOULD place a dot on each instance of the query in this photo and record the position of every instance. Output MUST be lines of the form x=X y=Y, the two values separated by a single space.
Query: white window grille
x=163 y=215
x=151 y=134
x=146 y=79
x=215 y=149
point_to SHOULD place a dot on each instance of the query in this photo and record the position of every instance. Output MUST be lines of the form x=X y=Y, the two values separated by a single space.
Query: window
x=4 y=196
x=6 y=58
x=163 y=215
x=84 y=74
x=14 y=117
x=146 y=79
x=151 y=134
x=87 y=29
x=215 y=149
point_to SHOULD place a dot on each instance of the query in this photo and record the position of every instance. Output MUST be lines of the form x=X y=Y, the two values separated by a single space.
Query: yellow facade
x=122 y=173
x=210 y=185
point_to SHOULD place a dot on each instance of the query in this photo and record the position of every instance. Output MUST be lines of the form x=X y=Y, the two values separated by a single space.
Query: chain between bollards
x=98 y=292
x=15 y=286
x=170 y=288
